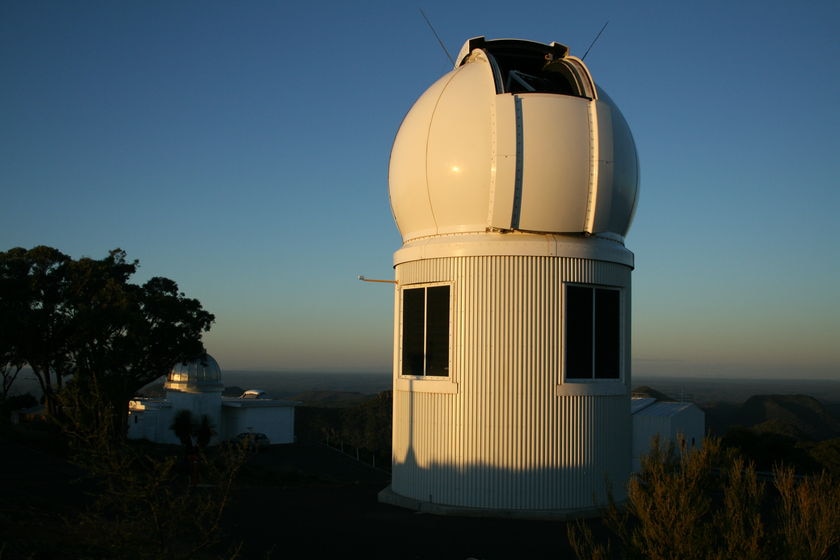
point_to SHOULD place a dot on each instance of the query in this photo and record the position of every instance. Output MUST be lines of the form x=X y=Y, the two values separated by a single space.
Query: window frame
x=424 y=372
x=615 y=329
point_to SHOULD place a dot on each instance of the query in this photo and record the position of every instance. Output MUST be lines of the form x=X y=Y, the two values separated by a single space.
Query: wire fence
x=361 y=455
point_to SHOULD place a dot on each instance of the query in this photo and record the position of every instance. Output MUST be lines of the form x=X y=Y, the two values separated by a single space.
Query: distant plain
x=700 y=390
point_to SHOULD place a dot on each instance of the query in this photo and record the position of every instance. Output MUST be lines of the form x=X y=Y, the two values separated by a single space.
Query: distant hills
x=800 y=417
x=330 y=398
x=795 y=430
x=645 y=391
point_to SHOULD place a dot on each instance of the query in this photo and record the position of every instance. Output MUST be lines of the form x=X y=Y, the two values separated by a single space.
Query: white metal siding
x=276 y=422
x=504 y=439
x=670 y=422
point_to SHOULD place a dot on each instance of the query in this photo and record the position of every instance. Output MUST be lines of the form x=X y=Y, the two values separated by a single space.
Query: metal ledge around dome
x=593 y=247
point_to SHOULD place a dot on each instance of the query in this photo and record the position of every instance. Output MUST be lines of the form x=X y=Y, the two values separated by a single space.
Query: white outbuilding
x=513 y=181
x=197 y=387
x=682 y=424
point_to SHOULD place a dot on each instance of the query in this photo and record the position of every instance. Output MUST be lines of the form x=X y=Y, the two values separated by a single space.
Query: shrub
x=709 y=503
x=146 y=502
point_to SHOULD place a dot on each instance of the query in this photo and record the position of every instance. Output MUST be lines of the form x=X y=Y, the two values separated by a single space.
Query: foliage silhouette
x=145 y=499
x=83 y=321
x=709 y=503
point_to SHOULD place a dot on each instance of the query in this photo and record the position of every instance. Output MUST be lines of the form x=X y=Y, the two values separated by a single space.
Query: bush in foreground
x=709 y=503
x=147 y=501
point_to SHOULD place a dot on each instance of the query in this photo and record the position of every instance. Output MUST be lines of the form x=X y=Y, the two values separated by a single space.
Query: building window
x=425 y=331
x=593 y=332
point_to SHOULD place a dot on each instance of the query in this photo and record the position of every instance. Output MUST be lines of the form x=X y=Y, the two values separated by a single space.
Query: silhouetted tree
x=9 y=372
x=769 y=450
x=827 y=454
x=34 y=318
x=83 y=320
x=182 y=425
x=190 y=431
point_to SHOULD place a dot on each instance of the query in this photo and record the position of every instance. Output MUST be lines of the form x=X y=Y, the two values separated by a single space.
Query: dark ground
x=337 y=514
x=299 y=501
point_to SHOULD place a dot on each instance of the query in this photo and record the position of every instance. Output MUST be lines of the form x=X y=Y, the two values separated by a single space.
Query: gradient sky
x=241 y=149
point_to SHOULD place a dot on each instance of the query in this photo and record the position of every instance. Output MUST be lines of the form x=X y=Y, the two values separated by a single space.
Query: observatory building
x=513 y=181
x=197 y=386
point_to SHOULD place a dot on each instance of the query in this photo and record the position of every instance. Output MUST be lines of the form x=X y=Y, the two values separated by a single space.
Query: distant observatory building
x=513 y=181
x=196 y=386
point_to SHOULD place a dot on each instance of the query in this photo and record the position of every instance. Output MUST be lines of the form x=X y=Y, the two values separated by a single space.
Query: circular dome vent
x=516 y=137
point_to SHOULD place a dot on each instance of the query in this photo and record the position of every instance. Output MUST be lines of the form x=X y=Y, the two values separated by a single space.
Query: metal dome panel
x=407 y=166
x=556 y=162
x=516 y=137
x=618 y=172
x=197 y=376
x=458 y=156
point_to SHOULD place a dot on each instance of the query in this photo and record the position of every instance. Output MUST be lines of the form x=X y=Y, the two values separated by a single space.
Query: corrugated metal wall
x=505 y=439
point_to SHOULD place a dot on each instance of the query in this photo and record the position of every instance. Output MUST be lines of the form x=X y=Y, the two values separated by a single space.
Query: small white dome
x=517 y=137
x=199 y=376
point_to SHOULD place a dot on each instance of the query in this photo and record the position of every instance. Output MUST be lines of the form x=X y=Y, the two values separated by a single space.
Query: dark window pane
x=607 y=333
x=437 y=330
x=578 y=332
x=412 y=331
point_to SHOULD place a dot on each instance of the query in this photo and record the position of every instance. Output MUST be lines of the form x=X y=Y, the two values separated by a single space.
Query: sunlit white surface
x=471 y=155
x=512 y=176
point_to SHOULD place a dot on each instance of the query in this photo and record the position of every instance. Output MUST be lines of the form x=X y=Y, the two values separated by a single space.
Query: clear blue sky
x=241 y=149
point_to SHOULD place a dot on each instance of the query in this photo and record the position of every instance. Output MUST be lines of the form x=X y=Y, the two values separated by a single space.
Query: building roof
x=637 y=404
x=239 y=402
x=651 y=407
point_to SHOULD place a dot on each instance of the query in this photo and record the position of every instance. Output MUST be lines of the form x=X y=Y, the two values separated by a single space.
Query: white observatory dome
x=496 y=145
x=198 y=376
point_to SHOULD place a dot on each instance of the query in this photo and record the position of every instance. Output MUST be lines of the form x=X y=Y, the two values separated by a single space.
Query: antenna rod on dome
x=363 y=279
x=449 y=56
x=593 y=41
